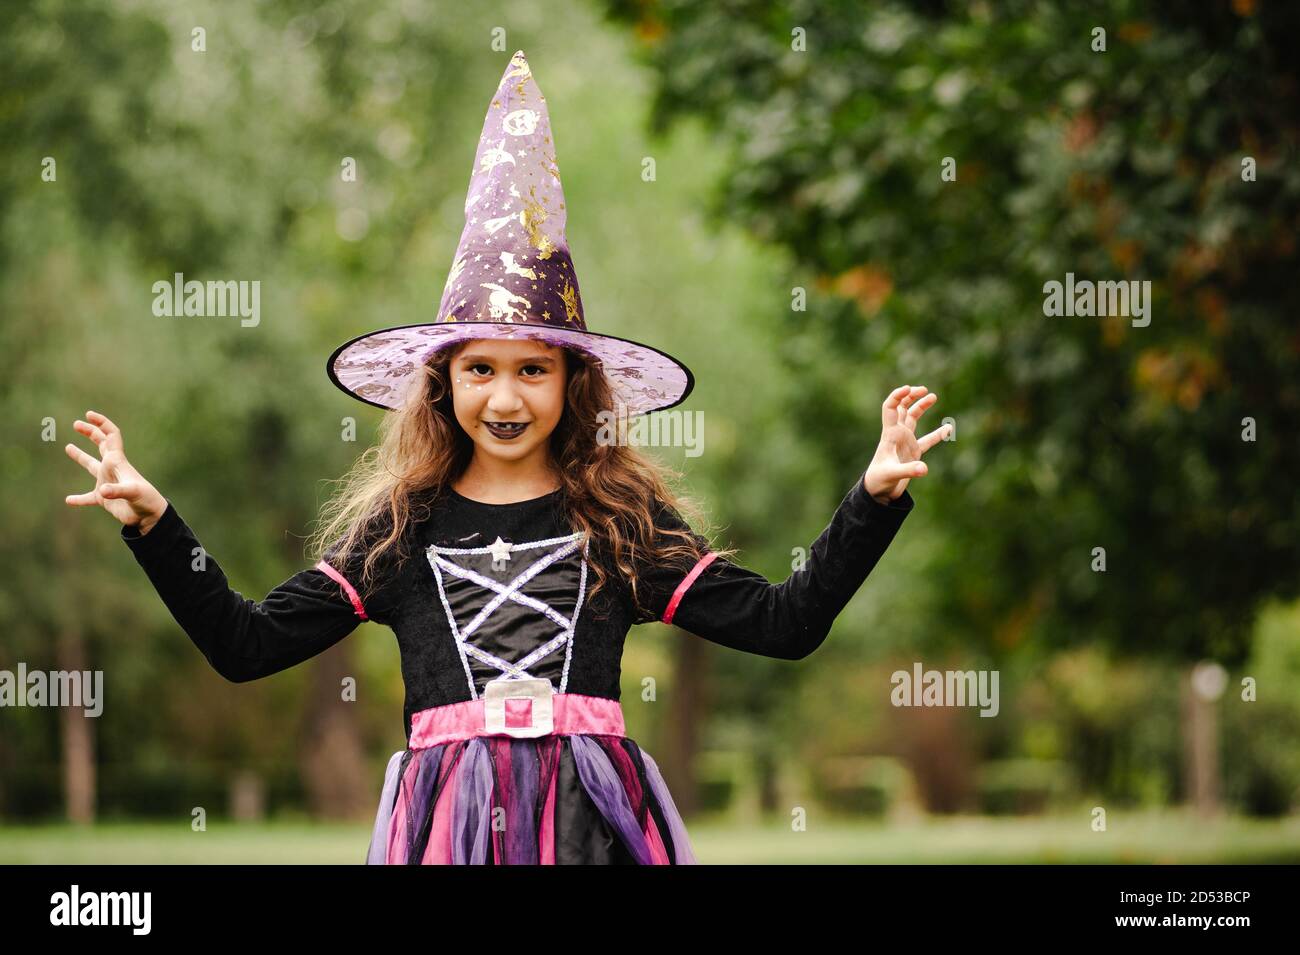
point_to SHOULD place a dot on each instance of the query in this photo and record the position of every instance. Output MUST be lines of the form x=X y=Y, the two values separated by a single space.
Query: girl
x=540 y=540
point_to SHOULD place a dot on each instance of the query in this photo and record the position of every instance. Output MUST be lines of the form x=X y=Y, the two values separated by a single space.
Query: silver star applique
x=500 y=551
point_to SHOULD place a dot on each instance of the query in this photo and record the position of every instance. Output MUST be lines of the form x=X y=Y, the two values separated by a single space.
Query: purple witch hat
x=512 y=275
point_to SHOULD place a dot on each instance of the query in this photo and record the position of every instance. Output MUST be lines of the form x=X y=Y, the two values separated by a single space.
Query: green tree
x=1167 y=156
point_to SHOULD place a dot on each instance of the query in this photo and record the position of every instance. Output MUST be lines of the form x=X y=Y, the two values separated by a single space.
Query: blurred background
x=810 y=204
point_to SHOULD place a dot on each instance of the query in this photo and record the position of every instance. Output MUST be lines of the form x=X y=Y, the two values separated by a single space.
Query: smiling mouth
x=505 y=430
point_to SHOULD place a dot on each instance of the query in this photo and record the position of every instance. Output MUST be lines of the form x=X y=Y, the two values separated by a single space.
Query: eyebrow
x=534 y=360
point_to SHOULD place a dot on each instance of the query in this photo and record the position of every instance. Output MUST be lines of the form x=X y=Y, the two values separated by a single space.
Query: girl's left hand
x=898 y=456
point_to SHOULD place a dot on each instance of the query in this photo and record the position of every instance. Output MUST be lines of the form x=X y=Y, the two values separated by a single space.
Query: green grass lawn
x=1156 y=837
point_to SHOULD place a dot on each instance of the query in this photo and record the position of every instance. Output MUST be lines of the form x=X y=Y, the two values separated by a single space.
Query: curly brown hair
x=617 y=497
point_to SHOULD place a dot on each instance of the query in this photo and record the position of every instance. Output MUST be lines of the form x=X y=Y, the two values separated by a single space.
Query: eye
x=474 y=369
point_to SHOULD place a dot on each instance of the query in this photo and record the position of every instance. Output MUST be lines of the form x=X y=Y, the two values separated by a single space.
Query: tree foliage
x=1073 y=433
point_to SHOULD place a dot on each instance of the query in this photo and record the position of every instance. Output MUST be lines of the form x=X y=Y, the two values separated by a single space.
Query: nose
x=504 y=398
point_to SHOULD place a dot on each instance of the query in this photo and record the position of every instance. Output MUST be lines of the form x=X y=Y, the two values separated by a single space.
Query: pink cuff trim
x=347 y=587
x=685 y=585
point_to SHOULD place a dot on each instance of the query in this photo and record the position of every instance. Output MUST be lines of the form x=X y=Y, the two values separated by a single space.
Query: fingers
x=111 y=467
x=89 y=430
x=126 y=491
x=82 y=458
x=913 y=393
x=914 y=413
x=891 y=403
x=100 y=430
x=933 y=438
x=105 y=425
x=899 y=472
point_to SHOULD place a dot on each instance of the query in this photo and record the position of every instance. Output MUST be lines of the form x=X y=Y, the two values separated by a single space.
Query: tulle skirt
x=549 y=800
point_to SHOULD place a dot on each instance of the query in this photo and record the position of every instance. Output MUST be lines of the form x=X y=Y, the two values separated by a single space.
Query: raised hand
x=898 y=456
x=119 y=488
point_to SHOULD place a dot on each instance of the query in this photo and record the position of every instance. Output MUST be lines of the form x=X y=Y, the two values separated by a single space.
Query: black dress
x=515 y=745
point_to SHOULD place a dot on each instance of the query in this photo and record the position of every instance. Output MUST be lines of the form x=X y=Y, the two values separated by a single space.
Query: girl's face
x=521 y=382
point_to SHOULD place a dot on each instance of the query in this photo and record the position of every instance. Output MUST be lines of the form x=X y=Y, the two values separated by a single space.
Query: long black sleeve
x=741 y=609
x=245 y=639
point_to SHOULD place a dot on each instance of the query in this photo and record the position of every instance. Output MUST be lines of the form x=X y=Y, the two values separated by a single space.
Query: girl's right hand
x=119 y=488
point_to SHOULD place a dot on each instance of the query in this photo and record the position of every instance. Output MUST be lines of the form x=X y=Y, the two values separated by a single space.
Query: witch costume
x=516 y=750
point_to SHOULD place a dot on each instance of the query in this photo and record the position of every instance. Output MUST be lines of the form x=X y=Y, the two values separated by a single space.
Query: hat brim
x=378 y=367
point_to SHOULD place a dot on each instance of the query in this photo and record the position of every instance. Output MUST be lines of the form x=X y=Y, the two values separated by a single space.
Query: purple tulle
x=681 y=841
x=425 y=781
x=472 y=814
x=378 y=850
x=602 y=783
x=523 y=811
x=438 y=802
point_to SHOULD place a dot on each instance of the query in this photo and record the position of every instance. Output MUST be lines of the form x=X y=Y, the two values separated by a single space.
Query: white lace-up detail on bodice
x=508 y=622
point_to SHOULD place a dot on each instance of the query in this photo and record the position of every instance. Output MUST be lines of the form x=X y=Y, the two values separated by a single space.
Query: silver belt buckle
x=537 y=691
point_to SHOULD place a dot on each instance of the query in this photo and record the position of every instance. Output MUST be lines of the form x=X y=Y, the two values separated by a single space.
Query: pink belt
x=519 y=708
